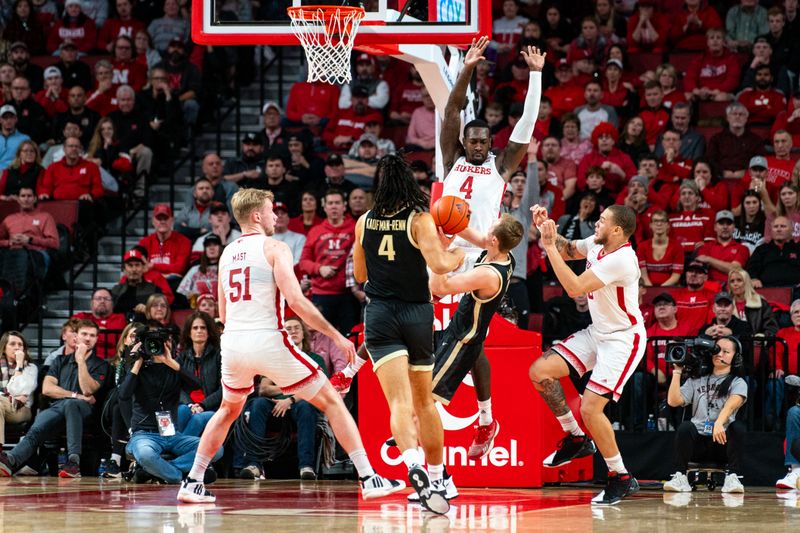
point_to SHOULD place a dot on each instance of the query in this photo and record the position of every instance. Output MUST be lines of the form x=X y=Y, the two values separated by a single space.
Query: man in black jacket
x=131 y=295
x=155 y=387
x=724 y=324
x=71 y=384
x=776 y=263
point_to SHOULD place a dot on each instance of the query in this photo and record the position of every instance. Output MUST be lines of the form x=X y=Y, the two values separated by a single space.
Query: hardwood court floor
x=46 y=505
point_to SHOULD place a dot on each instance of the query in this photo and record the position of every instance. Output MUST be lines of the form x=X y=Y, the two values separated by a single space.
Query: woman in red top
x=689 y=26
x=308 y=218
x=667 y=77
x=713 y=192
x=660 y=258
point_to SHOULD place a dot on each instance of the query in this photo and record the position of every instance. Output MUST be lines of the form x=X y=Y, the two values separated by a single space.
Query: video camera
x=153 y=342
x=694 y=355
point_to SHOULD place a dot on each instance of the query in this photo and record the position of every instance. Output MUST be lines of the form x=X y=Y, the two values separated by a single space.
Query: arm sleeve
x=523 y=130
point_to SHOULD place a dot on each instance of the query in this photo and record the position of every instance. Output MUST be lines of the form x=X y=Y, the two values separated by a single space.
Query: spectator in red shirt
x=647 y=29
x=71 y=178
x=572 y=146
x=348 y=124
x=713 y=192
x=715 y=74
x=406 y=97
x=516 y=89
x=75 y=26
x=102 y=314
x=616 y=92
x=308 y=218
x=691 y=224
x=689 y=26
x=724 y=253
x=667 y=77
x=787 y=119
x=126 y=70
x=123 y=24
x=767 y=175
x=589 y=44
x=103 y=99
x=764 y=102
x=323 y=260
x=53 y=98
x=167 y=249
x=695 y=301
x=673 y=169
x=617 y=164
x=312 y=104
x=791 y=335
x=654 y=115
x=660 y=258
x=560 y=170
x=568 y=94
x=30 y=229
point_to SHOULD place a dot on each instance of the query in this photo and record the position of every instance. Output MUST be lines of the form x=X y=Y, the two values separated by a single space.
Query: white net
x=327 y=35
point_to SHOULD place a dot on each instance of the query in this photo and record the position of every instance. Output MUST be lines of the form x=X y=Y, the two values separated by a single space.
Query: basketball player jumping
x=611 y=347
x=256 y=275
x=396 y=242
x=479 y=177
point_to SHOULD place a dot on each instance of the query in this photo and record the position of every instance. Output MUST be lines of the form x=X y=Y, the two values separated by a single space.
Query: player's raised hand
x=539 y=214
x=475 y=52
x=534 y=58
x=549 y=232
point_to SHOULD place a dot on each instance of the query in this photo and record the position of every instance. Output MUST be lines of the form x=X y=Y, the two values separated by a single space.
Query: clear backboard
x=387 y=22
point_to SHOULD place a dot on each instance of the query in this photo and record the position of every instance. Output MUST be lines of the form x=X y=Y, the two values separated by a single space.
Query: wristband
x=74 y=395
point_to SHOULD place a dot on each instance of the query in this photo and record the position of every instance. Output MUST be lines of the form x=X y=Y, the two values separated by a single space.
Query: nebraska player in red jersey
x=256 y=274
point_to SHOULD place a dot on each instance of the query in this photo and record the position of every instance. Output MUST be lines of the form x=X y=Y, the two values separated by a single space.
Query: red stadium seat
x=180 y=316
x=643 y=61
x=682 y=60
x=64 y=212
x=8 y=207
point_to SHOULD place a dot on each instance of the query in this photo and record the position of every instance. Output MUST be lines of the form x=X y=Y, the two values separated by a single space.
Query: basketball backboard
x=452 y=22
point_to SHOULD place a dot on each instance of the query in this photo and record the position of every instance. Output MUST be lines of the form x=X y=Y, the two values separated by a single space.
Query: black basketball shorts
x=393 y=328
x=454 y=361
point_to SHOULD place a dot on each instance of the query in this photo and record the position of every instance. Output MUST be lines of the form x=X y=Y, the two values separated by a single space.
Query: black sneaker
x=112 y=470
x=70 y=469
x=569 y=448
x=431 y=498
x=140 y=475
x=6 y=468
x=617 y=487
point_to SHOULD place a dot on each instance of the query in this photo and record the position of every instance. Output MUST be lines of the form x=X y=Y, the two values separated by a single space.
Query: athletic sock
x=615 y=464
x=794 y=468
x=361 y=462
x=435 y=472
x=352 y=368
x=412 y=457
x=485 y=409
x=569 y=424
x=117 y=458
x=199 y=467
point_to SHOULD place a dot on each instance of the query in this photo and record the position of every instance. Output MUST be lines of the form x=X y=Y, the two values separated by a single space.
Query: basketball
x=451 y=213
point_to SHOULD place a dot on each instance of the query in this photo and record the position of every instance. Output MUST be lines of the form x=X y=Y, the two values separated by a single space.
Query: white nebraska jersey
x=252 y=299
x=614 y=307
x=482 y=187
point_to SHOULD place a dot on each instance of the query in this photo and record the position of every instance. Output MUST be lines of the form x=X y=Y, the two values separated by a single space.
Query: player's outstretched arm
x=439 y=259
x=280 y=257
x=574 y=285
x=483 y=281
x=509 y=159
x=449 y=141
x=359 y=259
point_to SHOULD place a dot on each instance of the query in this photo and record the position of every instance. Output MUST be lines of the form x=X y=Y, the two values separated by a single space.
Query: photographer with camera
x=154 y=384
x=715 y=395
x=71 y=383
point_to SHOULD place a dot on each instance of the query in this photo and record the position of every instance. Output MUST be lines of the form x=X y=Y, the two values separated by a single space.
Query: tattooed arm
x=568 y=249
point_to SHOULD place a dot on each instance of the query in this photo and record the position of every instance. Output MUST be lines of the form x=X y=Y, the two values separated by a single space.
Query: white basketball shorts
x=270 y=353
x=612 y=357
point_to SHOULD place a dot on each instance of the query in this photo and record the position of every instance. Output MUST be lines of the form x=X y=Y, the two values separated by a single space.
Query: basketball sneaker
x=483 y=440
x=678 y=483
x=195 y=492
x=569 y=448
x=450 y=489
x=431 y=496
x=789 y=481
x=377 y=486
x=6 y=468
x=617 y=487
x=70 y=469
x=732 y=483
x=341 y=383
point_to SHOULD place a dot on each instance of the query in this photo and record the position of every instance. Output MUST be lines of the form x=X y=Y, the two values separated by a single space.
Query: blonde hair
x=245 y=201
x=751 y=297
x=670 y=70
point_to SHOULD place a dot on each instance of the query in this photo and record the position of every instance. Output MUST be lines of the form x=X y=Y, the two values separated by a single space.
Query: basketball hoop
x=327 y=34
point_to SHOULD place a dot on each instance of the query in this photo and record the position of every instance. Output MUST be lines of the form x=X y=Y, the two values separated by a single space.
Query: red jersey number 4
x=466 y=188
x=241 y=287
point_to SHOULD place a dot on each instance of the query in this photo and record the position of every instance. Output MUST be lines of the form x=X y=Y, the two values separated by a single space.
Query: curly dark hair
x=395 y=187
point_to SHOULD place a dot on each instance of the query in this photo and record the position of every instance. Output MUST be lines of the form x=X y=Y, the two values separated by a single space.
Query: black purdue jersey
x=470 y=323
x=395 y=266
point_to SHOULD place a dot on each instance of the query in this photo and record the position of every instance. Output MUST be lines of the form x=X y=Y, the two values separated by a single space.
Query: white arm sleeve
x=523 y=131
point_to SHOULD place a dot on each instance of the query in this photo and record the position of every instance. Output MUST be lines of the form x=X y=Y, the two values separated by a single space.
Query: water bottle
x=62 y=458
x=101 y=472
x=651 y=423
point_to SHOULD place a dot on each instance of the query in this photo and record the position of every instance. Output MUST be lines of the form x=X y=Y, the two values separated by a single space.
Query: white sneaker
x=450 y=490
x=195 y=492
x=679 y=499
x=678 y=483
x=789 y=481
x=377 y=486
x=732 y=484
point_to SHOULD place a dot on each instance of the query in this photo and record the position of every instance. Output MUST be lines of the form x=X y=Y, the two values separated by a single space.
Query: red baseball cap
x=206 y=296
x=280 y=206
x=133 y=254
x=162 y=209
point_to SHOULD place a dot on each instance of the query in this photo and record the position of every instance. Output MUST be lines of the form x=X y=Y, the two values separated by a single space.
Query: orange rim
x=328 y=12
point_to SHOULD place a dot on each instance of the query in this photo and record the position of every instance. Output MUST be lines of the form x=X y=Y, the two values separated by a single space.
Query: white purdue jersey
x=252 y=299
x=614 y=307
x=482 y=187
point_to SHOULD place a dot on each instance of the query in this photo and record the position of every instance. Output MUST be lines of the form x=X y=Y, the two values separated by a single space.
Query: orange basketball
x=451 y=213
